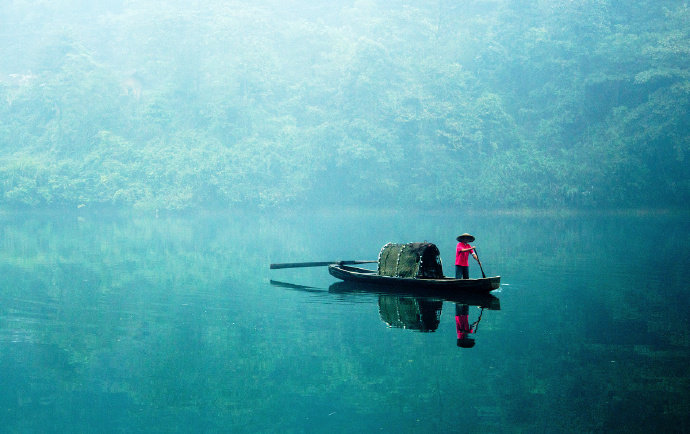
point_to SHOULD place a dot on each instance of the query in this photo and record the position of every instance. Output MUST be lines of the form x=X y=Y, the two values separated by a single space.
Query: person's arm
x=474 y=255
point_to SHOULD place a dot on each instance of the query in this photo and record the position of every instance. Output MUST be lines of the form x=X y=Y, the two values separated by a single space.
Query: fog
x=244 y=104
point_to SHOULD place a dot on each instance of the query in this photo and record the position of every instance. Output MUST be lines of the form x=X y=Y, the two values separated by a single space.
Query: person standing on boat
x=462 y=253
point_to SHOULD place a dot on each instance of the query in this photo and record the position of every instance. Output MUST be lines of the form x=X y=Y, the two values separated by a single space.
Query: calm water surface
x=131 y=323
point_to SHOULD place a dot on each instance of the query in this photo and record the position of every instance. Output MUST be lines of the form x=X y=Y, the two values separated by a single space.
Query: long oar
x=317 y=264
x=480 y=263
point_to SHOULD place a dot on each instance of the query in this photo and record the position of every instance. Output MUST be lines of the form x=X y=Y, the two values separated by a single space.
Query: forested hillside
x=483 y=104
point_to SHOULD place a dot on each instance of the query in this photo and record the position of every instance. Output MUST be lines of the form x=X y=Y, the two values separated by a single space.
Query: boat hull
x=357 y=274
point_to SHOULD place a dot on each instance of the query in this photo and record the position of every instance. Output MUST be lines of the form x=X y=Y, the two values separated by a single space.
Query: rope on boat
x=378 y=260
x=421 y=265
x=398 y=261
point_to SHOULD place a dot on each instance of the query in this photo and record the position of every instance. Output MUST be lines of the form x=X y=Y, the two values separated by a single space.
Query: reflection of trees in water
x=111 y=320
x=97 y=311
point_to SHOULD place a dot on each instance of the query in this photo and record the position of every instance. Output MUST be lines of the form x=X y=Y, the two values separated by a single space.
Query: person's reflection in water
x=463 y=327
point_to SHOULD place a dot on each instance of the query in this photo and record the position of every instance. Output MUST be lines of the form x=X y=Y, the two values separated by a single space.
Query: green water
x=131 y=323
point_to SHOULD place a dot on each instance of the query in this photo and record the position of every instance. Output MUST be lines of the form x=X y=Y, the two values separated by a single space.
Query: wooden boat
x=449 y=284
x=410 y=265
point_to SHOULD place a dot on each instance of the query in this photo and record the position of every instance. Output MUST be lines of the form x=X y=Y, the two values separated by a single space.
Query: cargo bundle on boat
x=412 y=260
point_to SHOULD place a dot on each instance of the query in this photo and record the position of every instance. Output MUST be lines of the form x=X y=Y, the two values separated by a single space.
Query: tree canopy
x=484 y=103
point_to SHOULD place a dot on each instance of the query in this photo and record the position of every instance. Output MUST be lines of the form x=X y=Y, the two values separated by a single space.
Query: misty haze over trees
x=503 y=103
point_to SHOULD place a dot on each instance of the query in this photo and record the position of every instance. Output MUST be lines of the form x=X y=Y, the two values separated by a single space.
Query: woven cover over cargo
x=413 y=260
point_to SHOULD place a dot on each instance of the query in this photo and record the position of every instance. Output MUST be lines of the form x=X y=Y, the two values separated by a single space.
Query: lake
x=126 y=322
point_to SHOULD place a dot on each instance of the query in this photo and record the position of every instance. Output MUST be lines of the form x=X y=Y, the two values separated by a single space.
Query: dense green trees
x=488 y=103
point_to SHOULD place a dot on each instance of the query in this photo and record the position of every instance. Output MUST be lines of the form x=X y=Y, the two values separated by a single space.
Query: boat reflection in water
x=421 y=309
x=418 y=310
x=413 y=313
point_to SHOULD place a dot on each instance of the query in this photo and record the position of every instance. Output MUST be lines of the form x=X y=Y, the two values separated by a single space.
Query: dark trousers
x=462 y=272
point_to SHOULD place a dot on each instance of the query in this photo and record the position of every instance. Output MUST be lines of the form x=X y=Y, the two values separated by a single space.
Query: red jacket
x=461 y=257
